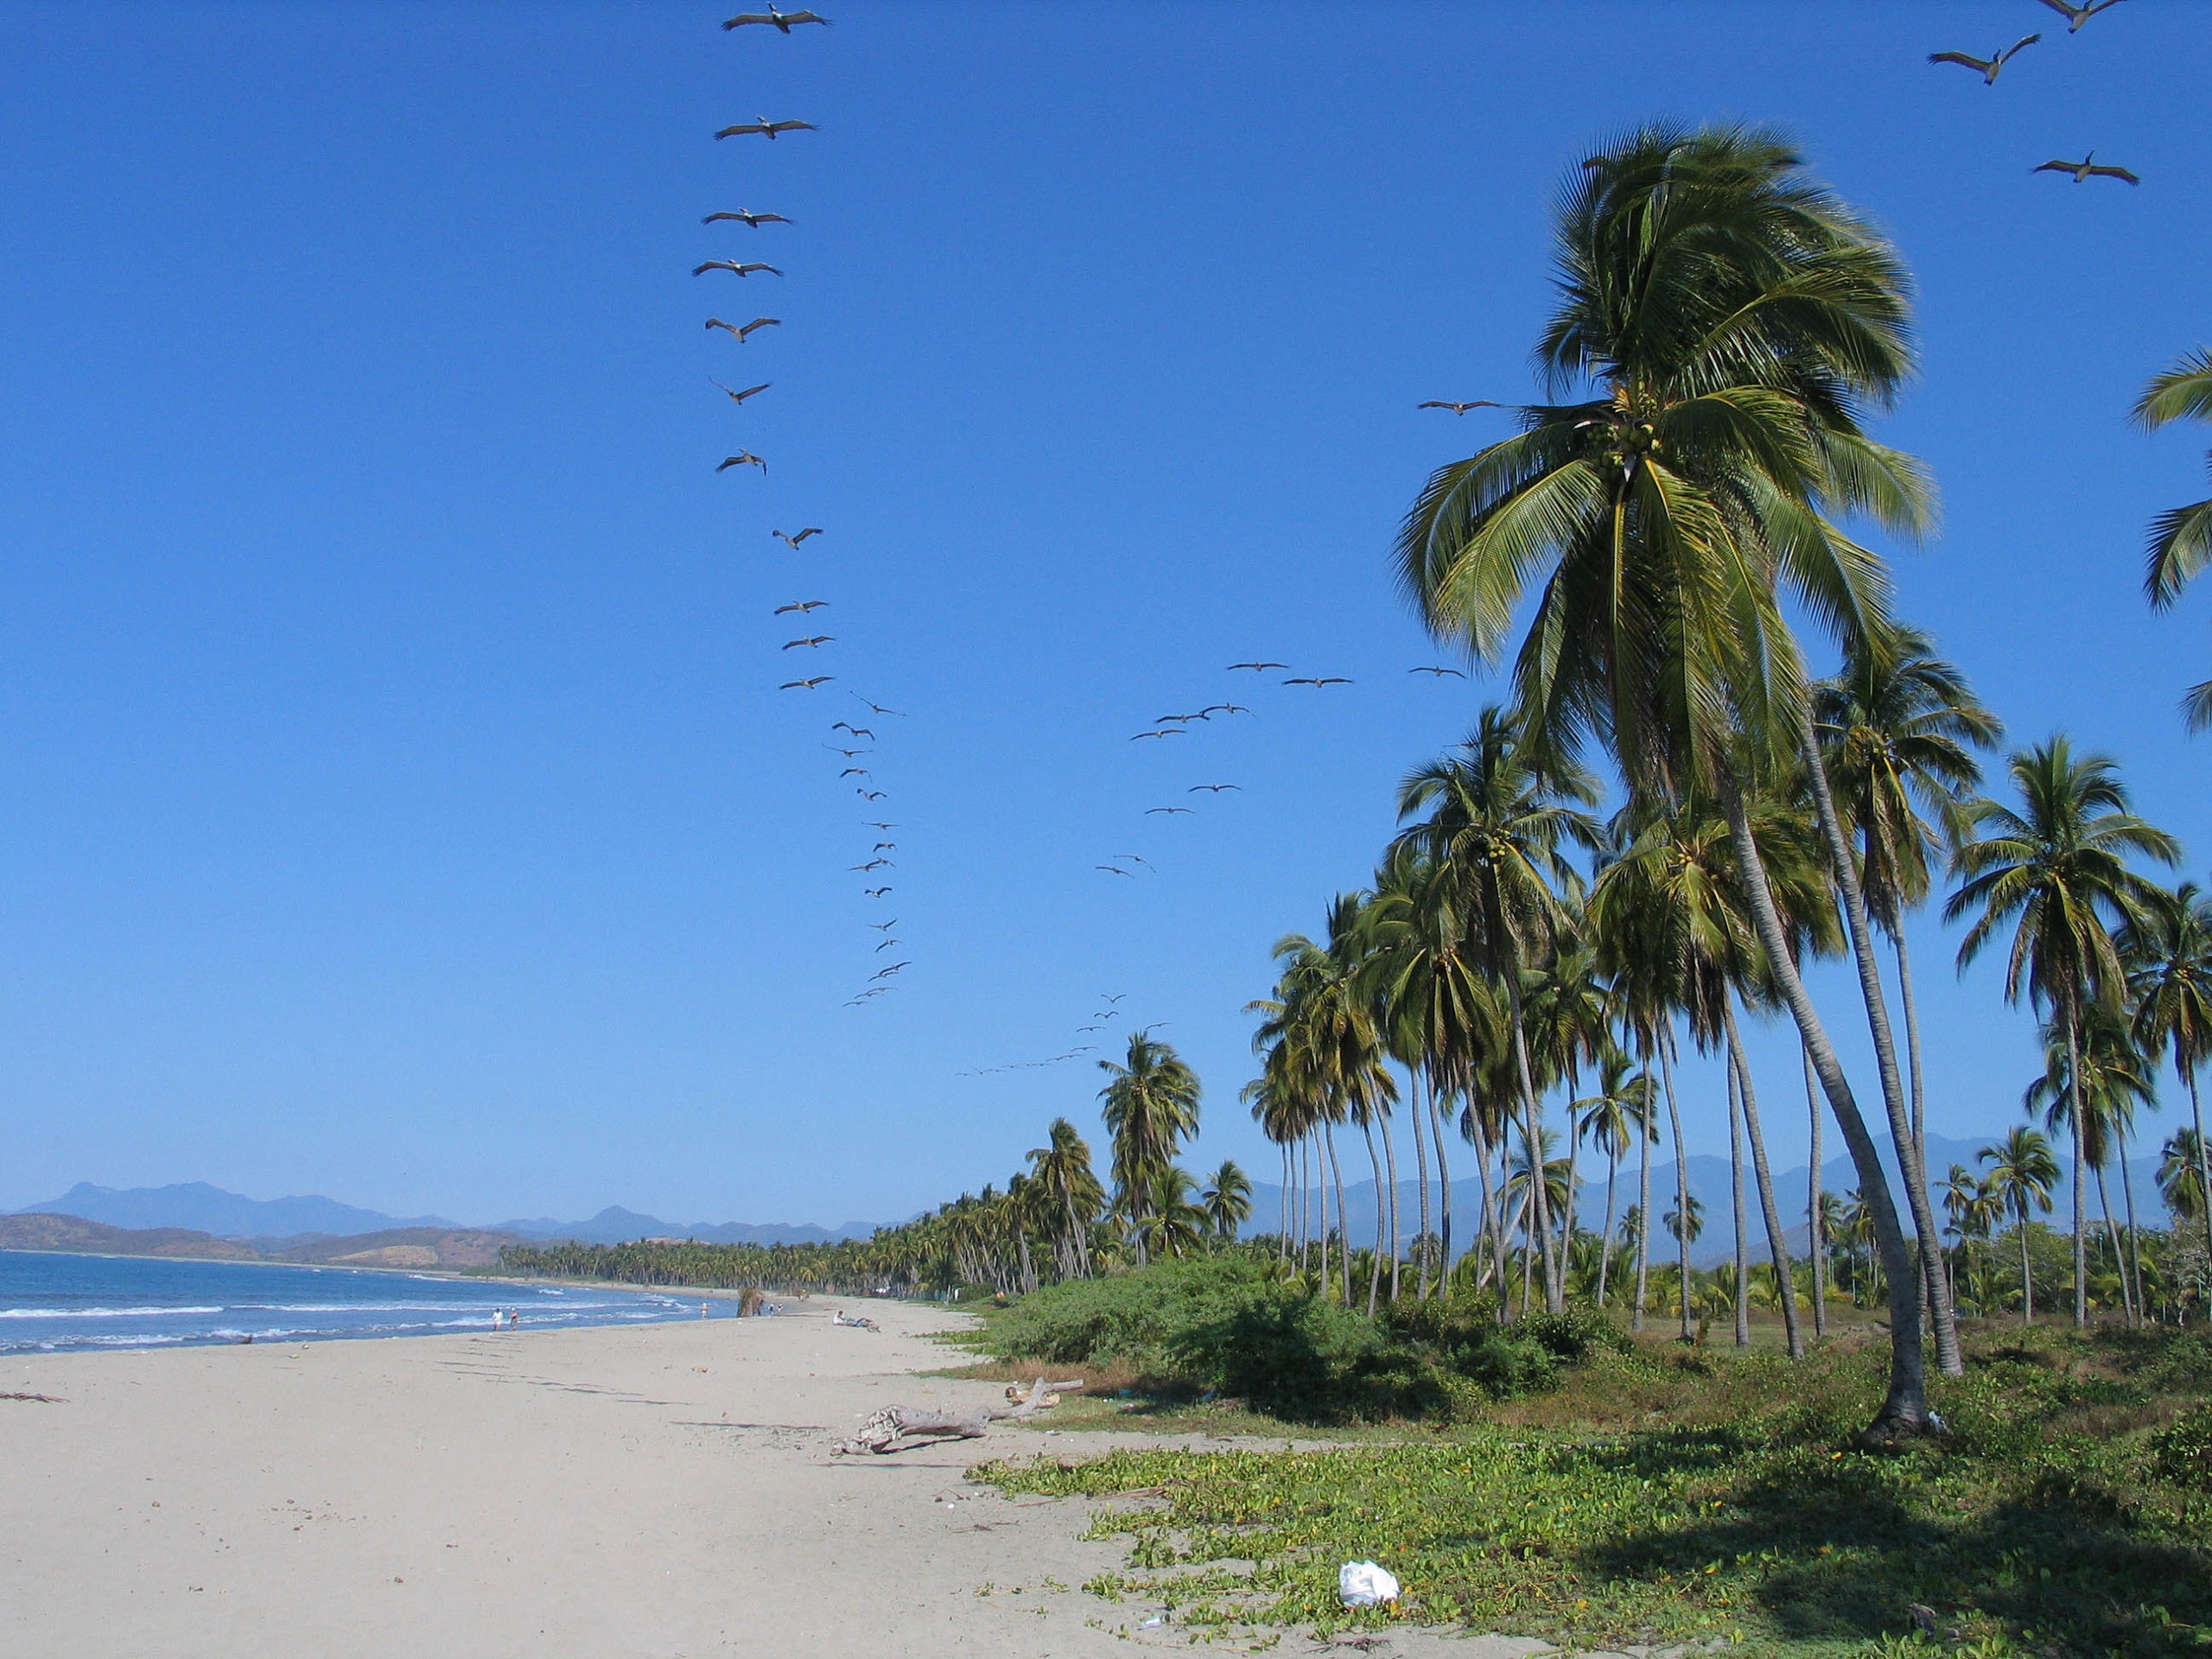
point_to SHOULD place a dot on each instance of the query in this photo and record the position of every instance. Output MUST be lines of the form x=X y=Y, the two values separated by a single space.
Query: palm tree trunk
x=1885 y=1052
x=1375 y=1261
x=1420 y=1168
x=1490 y=1226
x=1777 y=1244
x=1391 y=1164
x=2119 y=1256
x=1816 y=1238
x=2081 y=1144
x=2027 y=1273
x=1736 y=1192
x=1643 y=1201
x=1321 y=1169
x=2203 y=1154
x=1540 y=1219
x=1344 y=1224
x=1282 y=1209
x=1606 y=1242
x=1443 y=1192
x=2134 y=1237
x=1904 y=1407
x=1574 y=1159
x=1681 y=1179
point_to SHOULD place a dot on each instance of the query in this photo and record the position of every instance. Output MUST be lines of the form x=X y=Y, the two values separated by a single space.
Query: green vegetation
x=1663 y=1494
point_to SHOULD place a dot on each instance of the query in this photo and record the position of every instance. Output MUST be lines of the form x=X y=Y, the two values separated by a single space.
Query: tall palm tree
x=2023 y=1172
x=1619 y=1115
x=2181 y=1176
x=1151 y=1107
x=1497 y=822
x=1726 y=318
x=2181 y=540
x=1227 y=1200
x=2056 y=869
x=2168 y=951
x=1062 y=1169
x=1897 y=730
x=2112 y=1081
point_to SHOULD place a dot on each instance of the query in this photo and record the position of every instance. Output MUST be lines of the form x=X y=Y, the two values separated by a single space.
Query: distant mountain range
x=1708 y=1184
x=197 y=1207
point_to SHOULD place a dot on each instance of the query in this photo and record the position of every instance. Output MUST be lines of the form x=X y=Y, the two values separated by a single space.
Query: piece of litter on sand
x=1363 y=1584
x=1152 y=1624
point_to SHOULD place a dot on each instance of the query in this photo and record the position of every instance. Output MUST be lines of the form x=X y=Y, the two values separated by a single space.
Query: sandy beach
x=662 y=1491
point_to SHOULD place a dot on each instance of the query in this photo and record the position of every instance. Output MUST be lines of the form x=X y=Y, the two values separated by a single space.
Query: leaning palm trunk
x=2119 y=1254
x=2027 y=1272
x=1643 y=1203
x=1816 y=1232
x=1443 y=1188
x=1681 y=1180
x=1904 y=1407
x=1390 y=1166
x=1540 y=1213
x=1573 y=1147
x=1606 y=1239
x=1736 y=1193
x=1885 y=1053
x=1492 y=1222
x=1919 y=1119
x=1777 y=1242
x=2134 y=1235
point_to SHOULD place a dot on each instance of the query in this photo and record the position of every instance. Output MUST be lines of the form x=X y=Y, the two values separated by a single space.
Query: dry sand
x=651 y=1490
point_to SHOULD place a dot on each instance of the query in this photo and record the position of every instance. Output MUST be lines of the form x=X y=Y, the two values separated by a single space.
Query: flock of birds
x=850 y=742
x=853 y=743
x=1993 y=66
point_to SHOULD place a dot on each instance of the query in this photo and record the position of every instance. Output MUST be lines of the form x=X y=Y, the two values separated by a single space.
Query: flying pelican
x=756 y=220
x=806 y=685
x=1215 y=788
x=1460 y=408
x=870 y=794
x=857 y=772
x=1987 y=66
x=740 y=334
x=735 y=267
x=857 y=731
x=801 y=606
x=849 y=755
x=880 y=826
x=1173 y=731
x=766 y=128
x=793 y=541
x=744 y=458
x=1171 y=811
x=1112 y=870
x=886 y=973
x=1330 y=679
x=740 y=396
x=1438 y=672
x=873 y=864
x=890 y=944
x=2083 y=170
x=1257 y=666
x=1133 y=859
x=884 y=847
x=2077 y=15
x=875 y=892
x=1162 y=719
x=1226 y=709
x=781 y=21
x=879 y=708
x=885 y=927
x=813 y=639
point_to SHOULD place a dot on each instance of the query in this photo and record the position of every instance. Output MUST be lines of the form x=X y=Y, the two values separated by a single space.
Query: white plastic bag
x=1363 y=1584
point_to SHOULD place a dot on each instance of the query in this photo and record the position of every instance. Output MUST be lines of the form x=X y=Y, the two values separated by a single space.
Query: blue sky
x=395 y=800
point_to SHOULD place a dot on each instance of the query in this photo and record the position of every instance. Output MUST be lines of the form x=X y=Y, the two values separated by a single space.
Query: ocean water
x=51 y=1302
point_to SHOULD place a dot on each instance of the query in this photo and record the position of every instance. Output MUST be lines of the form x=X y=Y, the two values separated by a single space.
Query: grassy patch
x=2060 y=1519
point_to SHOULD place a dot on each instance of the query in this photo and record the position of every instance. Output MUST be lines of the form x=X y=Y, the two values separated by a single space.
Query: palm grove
x=1515 y=983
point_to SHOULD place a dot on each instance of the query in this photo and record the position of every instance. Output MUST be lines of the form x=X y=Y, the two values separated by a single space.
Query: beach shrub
x=2182 y=1453
x=1135 y=1319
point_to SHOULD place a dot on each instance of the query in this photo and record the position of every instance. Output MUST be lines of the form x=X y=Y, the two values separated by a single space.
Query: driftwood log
x=900 y=1428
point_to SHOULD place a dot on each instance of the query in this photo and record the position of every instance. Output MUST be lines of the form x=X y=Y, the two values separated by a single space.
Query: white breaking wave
x=99 y=1313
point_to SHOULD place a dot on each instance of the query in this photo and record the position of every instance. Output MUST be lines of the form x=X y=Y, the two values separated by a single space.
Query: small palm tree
x=1620 y=1114
x=2056 y=871
x=2023 y=1172
x=2181 y=540
x=1227 y=1200
x=2181 y=1176
x=1061 y=1168
x=1151 y=1107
